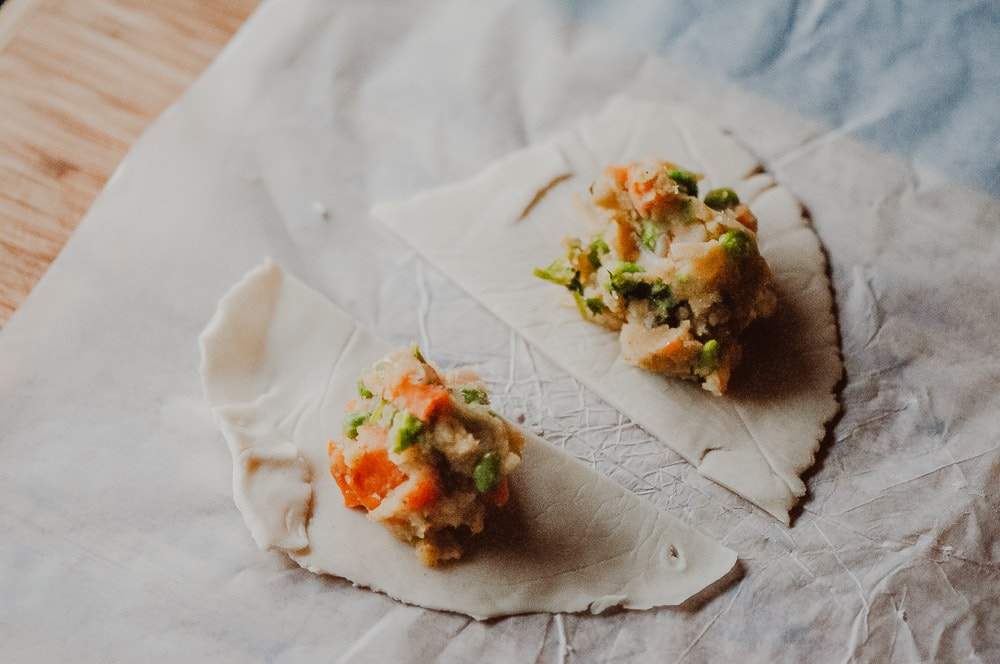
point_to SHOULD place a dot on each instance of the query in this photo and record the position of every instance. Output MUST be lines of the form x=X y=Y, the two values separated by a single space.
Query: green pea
x=651 y=232
x=474 y=395
x=352 y=421
x=407 y=429
x=708 y=356
x=619 y=282
x=736 y=243
x=595 y=305
x=363 y=391
x=559 y=272
x=685 y=180
x=661 y=302
x=722 y=199
x=598 y=247
x=486 y=474
x=627 y=267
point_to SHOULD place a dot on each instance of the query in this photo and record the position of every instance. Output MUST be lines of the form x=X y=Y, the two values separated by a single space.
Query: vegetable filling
x=424 y=454
x=680 y=278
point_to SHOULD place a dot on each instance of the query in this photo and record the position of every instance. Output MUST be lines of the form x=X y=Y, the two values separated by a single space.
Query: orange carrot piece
x=619 y=174
x=340 y=472
x=746 y=217
x=421 y=400
x=368 y=481
x=374 y=476
x=642 y=187
x=425 y=493
x=672 y=347
x=501 y=494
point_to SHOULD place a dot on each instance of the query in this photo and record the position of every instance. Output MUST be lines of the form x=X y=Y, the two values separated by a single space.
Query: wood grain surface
x=79 y=81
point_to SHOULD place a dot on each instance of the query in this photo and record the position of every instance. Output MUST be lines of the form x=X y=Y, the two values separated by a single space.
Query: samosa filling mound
x=424 y=453
x=681 y=278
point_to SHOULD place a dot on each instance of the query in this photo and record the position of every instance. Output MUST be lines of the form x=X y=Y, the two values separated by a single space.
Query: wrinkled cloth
x=919 y=79
x=118 y=535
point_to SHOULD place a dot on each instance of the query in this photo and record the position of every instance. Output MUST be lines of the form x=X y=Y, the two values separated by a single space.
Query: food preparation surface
x=119 y=536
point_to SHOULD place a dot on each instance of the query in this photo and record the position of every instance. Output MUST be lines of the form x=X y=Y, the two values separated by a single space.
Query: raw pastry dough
x=489 y=232
x=278 y=362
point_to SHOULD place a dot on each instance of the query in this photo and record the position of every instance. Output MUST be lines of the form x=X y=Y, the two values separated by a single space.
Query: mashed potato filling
x=680 y=278
x=424 y=454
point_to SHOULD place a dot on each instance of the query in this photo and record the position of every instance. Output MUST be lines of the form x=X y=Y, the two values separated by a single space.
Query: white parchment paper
x=118 y=535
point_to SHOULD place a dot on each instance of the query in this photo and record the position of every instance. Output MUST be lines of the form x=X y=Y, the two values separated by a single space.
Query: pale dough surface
x=490 y=231
x=279 y=360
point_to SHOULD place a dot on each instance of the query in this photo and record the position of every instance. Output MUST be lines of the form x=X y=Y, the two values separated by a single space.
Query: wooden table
x=79 y=81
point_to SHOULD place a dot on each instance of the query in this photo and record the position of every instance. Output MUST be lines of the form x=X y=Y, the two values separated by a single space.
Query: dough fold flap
x=760 y=437
x=271 y=484
x=279 y=361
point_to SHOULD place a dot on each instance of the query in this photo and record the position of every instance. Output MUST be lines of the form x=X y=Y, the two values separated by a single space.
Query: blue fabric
x=921 y=79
